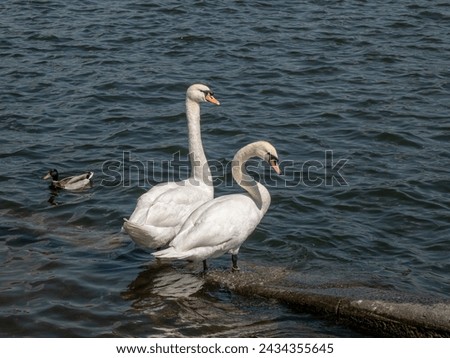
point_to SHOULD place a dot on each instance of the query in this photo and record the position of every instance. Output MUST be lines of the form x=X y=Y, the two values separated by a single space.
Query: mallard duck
x=76 y=182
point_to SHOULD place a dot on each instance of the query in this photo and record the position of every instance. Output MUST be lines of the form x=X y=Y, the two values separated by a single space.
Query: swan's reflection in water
x=178 y=304
x=170 y=301
x=165 y=281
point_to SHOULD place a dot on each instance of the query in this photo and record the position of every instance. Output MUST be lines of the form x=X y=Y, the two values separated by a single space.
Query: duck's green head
x=52 y=174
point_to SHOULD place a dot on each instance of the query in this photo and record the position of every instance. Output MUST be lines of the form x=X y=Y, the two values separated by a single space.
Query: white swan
x=161 y=211
x=223 y=224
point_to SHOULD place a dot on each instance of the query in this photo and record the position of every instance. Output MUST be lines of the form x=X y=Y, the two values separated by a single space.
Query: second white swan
x=223 y=224
x=161 y=211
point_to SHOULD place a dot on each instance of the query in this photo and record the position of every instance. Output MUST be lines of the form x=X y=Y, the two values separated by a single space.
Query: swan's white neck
x=256 y=190
x=199 y=164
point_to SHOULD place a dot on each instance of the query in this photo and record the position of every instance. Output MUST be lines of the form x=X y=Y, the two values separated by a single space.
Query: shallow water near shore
x=353 y=95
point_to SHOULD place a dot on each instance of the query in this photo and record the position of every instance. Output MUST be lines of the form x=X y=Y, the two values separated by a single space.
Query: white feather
x=161 y=211
x=223 y=224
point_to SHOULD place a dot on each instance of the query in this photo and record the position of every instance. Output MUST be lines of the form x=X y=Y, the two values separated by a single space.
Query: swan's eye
x=207 y=92
x=272 y=159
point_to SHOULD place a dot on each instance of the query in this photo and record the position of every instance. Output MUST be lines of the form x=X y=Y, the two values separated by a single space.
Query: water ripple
x=85 y=82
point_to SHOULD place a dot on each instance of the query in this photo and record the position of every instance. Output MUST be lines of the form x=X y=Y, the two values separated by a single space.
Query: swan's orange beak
x=210 y=98
x=275 y=166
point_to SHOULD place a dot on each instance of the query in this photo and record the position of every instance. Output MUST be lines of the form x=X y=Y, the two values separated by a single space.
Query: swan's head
x=268 y=152
x=53 y=174
x=201 y=93
x=263 y=150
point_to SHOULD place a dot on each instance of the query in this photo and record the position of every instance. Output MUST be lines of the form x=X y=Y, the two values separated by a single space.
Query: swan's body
x=161 y=211
x=223 y=224
x=76 y=182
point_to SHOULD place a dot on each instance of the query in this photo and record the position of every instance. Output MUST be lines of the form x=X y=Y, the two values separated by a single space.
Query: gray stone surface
x=377 y=311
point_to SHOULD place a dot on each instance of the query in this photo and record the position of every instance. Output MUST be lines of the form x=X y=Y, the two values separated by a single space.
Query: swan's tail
x=170 y=254
x=195 y=254
x=145 y=235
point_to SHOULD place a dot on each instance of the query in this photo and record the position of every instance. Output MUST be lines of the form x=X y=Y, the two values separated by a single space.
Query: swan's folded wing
x=225 y=220
x=146 y=200
x=155 y=192
x=174 y=206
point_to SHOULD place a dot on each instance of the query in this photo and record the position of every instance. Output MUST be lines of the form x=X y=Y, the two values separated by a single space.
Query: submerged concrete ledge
x=371 y=310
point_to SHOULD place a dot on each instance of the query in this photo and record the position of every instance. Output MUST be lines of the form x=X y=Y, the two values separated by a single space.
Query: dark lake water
x=355 y=95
